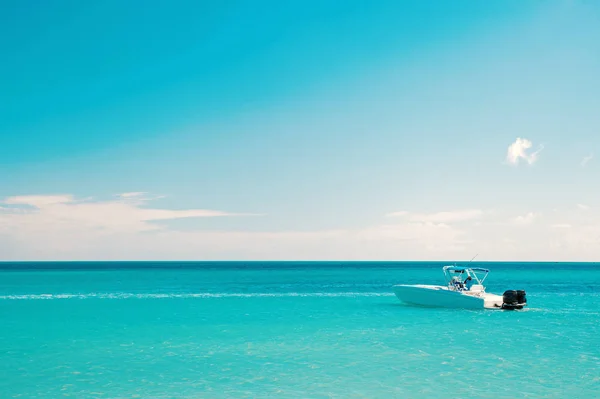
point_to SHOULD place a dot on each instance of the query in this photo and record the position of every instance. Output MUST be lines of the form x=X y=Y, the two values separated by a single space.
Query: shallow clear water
x=317 y=330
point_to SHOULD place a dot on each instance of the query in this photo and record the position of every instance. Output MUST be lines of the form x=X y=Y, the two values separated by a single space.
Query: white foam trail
x=127 y=295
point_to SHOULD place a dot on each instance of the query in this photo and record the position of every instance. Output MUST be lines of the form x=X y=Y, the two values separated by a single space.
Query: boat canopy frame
x=450 y=272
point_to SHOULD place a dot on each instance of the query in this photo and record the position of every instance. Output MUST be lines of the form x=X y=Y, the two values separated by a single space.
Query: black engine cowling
x=514 y=299
x=521 y=297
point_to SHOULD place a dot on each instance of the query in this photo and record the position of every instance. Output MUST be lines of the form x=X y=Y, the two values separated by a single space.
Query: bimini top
x=469 y=271
x=460 y=269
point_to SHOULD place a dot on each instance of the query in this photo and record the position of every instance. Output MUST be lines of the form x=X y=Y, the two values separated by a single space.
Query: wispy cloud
x=65 y=227
x=135 y=194
x=524 y=220
x=586 y=159
x=38 y=201
x=520 y=150
x=48 y=211
x=440 y=217
x=583 y=207
x=138 y=197
x=397 y=214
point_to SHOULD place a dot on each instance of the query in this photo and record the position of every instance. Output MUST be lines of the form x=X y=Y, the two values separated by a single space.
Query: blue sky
x=299 y=130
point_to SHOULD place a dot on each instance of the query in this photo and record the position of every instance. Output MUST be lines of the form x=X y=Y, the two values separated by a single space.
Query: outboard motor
x=514 y=299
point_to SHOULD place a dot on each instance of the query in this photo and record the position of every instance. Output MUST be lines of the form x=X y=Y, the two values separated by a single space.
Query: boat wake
x=207 y=295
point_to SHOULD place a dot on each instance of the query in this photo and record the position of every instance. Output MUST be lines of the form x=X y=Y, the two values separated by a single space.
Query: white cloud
x=586 y=159
x=583 y=207
x=520 y=150
x=526 y=219
x=440 y=217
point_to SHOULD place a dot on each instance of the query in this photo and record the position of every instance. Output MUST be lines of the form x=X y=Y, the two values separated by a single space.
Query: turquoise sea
x=291 y=330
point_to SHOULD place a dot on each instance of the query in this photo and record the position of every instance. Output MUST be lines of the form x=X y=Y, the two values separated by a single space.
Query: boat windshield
x=461 y=278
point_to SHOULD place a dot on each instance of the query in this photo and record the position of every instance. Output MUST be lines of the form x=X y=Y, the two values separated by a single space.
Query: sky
x=300 y=130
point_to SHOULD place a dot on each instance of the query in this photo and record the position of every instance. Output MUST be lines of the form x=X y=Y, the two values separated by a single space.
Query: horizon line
x=295 y=261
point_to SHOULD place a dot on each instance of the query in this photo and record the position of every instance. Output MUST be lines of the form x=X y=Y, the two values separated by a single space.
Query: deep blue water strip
x=281 y=265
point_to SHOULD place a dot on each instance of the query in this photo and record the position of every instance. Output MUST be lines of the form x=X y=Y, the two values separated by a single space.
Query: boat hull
x=437 y=296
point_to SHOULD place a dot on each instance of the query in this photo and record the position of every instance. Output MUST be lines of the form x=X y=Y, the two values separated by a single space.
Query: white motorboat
x=464 y=289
